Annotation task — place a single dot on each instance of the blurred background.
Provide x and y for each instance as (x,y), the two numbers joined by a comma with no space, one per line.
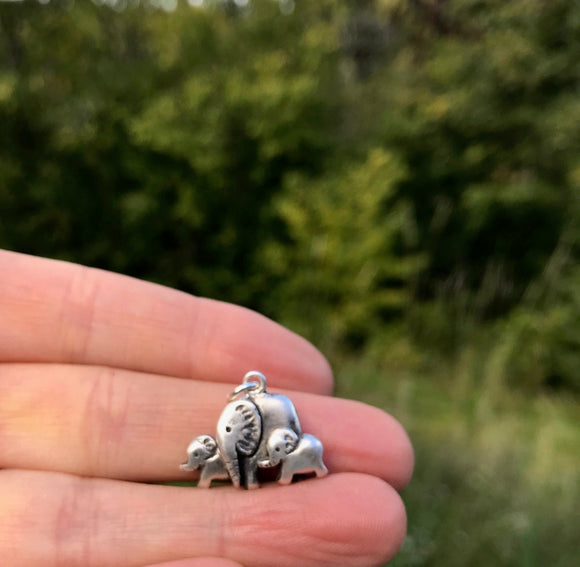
(397,180)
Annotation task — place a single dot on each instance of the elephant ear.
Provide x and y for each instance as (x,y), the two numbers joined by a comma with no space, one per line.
(209,443)
(290,441)
(251,429)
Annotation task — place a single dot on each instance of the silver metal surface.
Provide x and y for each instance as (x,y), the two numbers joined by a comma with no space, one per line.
(204,454)
(256,429)
(249,384)
(298,456)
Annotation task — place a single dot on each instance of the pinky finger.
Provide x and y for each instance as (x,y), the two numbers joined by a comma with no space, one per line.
(200,562)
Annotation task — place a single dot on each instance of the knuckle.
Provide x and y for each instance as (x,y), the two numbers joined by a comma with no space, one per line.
(78,313)
(12,516)
(105,420)
(49,519)
(76,525)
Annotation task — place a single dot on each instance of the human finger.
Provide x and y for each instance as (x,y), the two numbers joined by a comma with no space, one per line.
(200,562)
(57,520)
(98,421)
(53,311)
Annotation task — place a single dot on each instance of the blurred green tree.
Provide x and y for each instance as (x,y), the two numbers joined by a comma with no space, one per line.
(342,273)
(481,104)
(341,165)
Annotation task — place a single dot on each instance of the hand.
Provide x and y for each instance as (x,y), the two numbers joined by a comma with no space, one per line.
(104,380)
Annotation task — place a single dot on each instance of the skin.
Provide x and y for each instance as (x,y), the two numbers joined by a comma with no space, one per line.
(104,381)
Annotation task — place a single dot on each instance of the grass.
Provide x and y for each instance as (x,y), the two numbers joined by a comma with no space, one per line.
(496,481)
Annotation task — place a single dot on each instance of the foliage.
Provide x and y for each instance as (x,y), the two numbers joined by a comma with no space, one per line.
(161,158)
(340,267)
(496,475)
(482,107)
(353,169)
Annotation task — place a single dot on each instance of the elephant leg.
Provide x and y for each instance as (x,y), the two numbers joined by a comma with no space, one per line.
(321,470)
(286,474)
(251,466)
(204,481)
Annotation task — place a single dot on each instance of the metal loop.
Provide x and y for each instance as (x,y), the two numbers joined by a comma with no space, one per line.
(252,376)
(243,388)
(254,381)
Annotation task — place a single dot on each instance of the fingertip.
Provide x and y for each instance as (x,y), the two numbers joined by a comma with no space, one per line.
(398,471)
(359,438)
(382,520)
(246,340)
(343,519)
(396,525)
(407,459)
(302,366)
(389,453)
(321,371)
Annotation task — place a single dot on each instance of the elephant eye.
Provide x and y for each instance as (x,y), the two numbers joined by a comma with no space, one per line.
(196,454)
(228,428)
(278,449)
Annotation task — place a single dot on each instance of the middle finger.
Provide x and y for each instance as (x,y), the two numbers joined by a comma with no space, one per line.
(98,421)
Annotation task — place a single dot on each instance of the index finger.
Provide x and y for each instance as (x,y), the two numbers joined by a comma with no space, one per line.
(53,311)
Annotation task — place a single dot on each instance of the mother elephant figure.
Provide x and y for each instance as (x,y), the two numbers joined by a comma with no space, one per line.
(244,428)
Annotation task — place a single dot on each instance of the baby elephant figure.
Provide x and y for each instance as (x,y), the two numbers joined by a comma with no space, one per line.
(298,456)
(203,454)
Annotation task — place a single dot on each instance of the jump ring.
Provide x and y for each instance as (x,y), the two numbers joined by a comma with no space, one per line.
(245,387)
(254,376)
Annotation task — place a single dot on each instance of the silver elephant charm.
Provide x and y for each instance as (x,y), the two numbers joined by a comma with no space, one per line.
(204,454)
(298,456)
(255,430)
